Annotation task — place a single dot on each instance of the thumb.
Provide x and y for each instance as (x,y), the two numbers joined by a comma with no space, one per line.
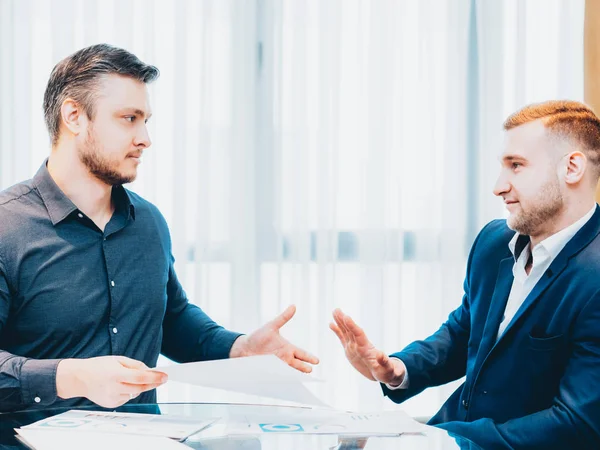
(284,317)
(131,363)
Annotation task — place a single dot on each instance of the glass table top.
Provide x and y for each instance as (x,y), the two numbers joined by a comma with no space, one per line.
(217,438)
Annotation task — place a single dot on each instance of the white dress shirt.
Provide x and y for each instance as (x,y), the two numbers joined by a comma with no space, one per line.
(543,255)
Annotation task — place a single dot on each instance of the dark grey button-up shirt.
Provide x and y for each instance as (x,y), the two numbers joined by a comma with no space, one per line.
(69,290)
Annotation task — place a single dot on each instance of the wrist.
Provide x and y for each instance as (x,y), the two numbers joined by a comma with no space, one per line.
(239,347)
(68,384)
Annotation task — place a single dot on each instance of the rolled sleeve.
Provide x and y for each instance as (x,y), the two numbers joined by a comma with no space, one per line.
(38,381)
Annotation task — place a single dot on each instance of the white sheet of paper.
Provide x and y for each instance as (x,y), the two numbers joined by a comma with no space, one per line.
(263,375)
(55,439)
(126,423)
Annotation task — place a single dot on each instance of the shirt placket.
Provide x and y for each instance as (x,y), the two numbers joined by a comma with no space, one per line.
(113,325)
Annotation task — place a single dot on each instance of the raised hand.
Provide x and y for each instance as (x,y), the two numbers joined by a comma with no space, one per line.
(360,352)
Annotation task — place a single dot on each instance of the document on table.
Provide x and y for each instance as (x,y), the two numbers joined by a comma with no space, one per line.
(263,375)
(167,426)
(316,421)
(61,439)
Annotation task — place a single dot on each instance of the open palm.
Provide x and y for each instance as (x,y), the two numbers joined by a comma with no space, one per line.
(360,352)
(267,340)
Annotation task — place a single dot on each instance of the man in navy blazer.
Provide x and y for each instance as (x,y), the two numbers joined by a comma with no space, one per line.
(527,334)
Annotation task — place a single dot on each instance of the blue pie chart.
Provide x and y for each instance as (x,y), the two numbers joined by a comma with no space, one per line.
(281,427)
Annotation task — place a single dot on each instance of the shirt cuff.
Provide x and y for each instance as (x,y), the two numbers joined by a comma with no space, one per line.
(404,384)
(38,381)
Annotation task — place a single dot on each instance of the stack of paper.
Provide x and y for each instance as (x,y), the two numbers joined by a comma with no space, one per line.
(123,423)
(57,439)
(92,429)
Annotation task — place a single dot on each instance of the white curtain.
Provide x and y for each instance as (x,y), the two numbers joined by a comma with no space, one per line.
(335,153)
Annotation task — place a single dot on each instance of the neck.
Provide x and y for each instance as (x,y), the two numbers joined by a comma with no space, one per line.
(88,193)
(568,217)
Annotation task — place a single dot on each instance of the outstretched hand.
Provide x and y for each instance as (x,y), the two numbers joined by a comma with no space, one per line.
(267,340)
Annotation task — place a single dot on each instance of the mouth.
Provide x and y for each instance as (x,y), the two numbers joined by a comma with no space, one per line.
(510,203)
(137,157)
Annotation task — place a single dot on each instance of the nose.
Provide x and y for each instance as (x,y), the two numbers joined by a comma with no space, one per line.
(142,139)
(502,185)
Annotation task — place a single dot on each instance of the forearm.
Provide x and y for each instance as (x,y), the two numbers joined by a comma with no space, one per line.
(191,335)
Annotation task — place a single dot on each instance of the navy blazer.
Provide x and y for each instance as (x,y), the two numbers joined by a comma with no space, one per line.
(538,386)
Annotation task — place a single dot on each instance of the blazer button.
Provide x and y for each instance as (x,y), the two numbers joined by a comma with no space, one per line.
(465,404)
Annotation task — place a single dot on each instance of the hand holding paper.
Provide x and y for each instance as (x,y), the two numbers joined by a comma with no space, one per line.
(267,340)
(108,381)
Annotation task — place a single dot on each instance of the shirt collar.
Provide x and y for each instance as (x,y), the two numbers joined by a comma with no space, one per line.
(552,244)
(60,207)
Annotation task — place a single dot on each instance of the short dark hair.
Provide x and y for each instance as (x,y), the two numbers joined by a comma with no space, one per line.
(78,75)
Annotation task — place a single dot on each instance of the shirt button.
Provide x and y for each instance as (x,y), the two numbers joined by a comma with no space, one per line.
(112,283)
(80,215)
(465,404)
(37,399)
(115,330)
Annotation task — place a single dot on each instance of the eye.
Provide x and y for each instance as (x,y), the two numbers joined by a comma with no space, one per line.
(130,119)
(515,165)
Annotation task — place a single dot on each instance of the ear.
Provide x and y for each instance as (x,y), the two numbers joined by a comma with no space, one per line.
(73,117)
(575,167)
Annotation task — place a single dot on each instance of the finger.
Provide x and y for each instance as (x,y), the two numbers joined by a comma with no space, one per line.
(347,332)
(338,333)
(284,317)
(357,332)
(384,361)
(131,363)
(299,365)
(386,372)
(137,389)
(339,321)
(303,355)
(134,376)
(129,395)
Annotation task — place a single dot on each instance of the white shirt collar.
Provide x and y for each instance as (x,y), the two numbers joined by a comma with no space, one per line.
(555,243)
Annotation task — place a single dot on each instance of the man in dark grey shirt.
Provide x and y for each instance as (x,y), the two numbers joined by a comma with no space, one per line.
(88,293)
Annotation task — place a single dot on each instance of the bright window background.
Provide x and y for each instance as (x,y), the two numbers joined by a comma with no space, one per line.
(327,154)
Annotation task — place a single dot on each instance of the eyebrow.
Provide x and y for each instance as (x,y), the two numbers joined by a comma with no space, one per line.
(138,112)
(510,158)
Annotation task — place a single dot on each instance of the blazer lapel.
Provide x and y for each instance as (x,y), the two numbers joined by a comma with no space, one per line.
(583,237)
(497,306)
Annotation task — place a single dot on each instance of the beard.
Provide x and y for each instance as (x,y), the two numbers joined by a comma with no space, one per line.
(103,168)
(545,206)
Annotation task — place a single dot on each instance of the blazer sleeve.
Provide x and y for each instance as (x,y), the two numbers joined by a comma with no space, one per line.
(573,420)
(442,357)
